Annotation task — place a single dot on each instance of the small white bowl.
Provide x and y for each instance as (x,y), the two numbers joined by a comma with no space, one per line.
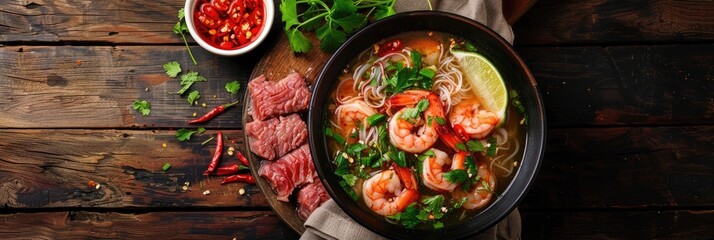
(189,9)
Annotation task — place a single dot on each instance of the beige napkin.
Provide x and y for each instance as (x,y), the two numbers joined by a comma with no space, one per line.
(330,222)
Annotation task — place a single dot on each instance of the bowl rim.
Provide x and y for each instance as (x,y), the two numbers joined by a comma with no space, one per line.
(189,8)
(536,124)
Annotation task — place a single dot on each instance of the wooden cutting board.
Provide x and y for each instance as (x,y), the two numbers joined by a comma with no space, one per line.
(279,61)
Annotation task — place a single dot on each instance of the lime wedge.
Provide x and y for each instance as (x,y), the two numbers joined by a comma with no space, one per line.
(485,81)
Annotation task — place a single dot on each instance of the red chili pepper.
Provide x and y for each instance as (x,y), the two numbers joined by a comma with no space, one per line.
(216,155)
(213,113)
(229,170)
(245,177)
(242,158)
(461,132)
(389,47)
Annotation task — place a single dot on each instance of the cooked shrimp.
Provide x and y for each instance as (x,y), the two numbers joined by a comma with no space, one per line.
(347,116)
(414,136)
(477,122)
(390,191)
(433,169)
(479,195)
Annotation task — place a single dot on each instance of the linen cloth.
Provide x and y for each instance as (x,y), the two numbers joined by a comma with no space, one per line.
(330,222)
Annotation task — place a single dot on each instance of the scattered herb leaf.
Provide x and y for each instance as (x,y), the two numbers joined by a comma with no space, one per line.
(172,68)
(142,106)
(181,28)
(456,176)
(184,134)
(233,87)
(188,79)
(192,97)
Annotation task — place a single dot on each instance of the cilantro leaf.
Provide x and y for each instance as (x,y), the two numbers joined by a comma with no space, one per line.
(180,28)
(298,42)
(416,58)
(409,217)
(330,37)
(349,190)
(413,113)
(181,14)
(172,68)
(461,146)
(188,79)
(233,87)
(492,147)
(343,165)
(350,22)
(200,130)
(383,12)
(288,8)
(192,97)
(142,106)
(184,134)
(399,157)
(456,176)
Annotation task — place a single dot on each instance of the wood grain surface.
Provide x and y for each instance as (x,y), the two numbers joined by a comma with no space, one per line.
(596,86)
(151,225)
(627,87)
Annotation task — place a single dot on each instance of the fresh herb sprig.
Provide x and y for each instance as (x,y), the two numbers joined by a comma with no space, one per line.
(181,28)
(330,22)
(143,106)
(401,78)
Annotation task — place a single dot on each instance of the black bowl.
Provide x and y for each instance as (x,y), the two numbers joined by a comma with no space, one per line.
(512,69)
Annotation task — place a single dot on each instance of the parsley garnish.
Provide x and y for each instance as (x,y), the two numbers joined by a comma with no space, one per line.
(142,106)
(332,23)
(492,147)
(233,87)
(349,179)
(181,28)
(192,97)
(399,157)
(172,68)
(185,134)
(413,113)
(188,79)
(475,146)
(456,176)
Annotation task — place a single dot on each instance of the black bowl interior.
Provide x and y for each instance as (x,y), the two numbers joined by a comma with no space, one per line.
(511,67)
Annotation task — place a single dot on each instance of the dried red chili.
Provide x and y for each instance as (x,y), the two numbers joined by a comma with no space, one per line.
(216,155)
(245,177)
(213,113)
(242,158)
(229,170)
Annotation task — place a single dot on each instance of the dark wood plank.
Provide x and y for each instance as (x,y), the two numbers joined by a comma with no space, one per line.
(154,225)
(614,22)
(583,168)
(680,224)
(625,168)
(514,9)
(44,87)
(669,84)
(94,87)
(132,21)
(52,168)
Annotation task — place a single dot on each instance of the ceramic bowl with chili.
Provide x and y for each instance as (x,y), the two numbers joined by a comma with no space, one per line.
(229,27)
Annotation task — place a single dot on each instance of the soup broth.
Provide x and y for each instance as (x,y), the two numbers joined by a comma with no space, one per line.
(410,138)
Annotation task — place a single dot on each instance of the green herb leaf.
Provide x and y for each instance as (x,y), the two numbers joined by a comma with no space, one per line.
(180,28)
(492,147)
(475,146)
(384,11)
(409,218)
(172,68)
(181,14)
(343,164)
(461,146)
(375,119)
(438,225)
(355,148)
(459,203)
(298,42)
(166,166)
(233,87)
(427,72)
(330,38)
(200,130)
(142,106)
(434,205)
(399,158)
(349,190)
(188,79)
(456,176)
(192,97)
(184,134)
(288,8)
(413,113)
(416,59)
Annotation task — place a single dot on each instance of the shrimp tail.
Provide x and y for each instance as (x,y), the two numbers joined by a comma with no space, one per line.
(448,136)
(405,176)
(408,197)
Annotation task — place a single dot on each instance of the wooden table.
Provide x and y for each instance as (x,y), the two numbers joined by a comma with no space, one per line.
(628,88)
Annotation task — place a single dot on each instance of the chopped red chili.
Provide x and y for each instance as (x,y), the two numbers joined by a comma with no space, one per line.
(216,155)
(461,132)
(389,47)
(213,113)
(229,24)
